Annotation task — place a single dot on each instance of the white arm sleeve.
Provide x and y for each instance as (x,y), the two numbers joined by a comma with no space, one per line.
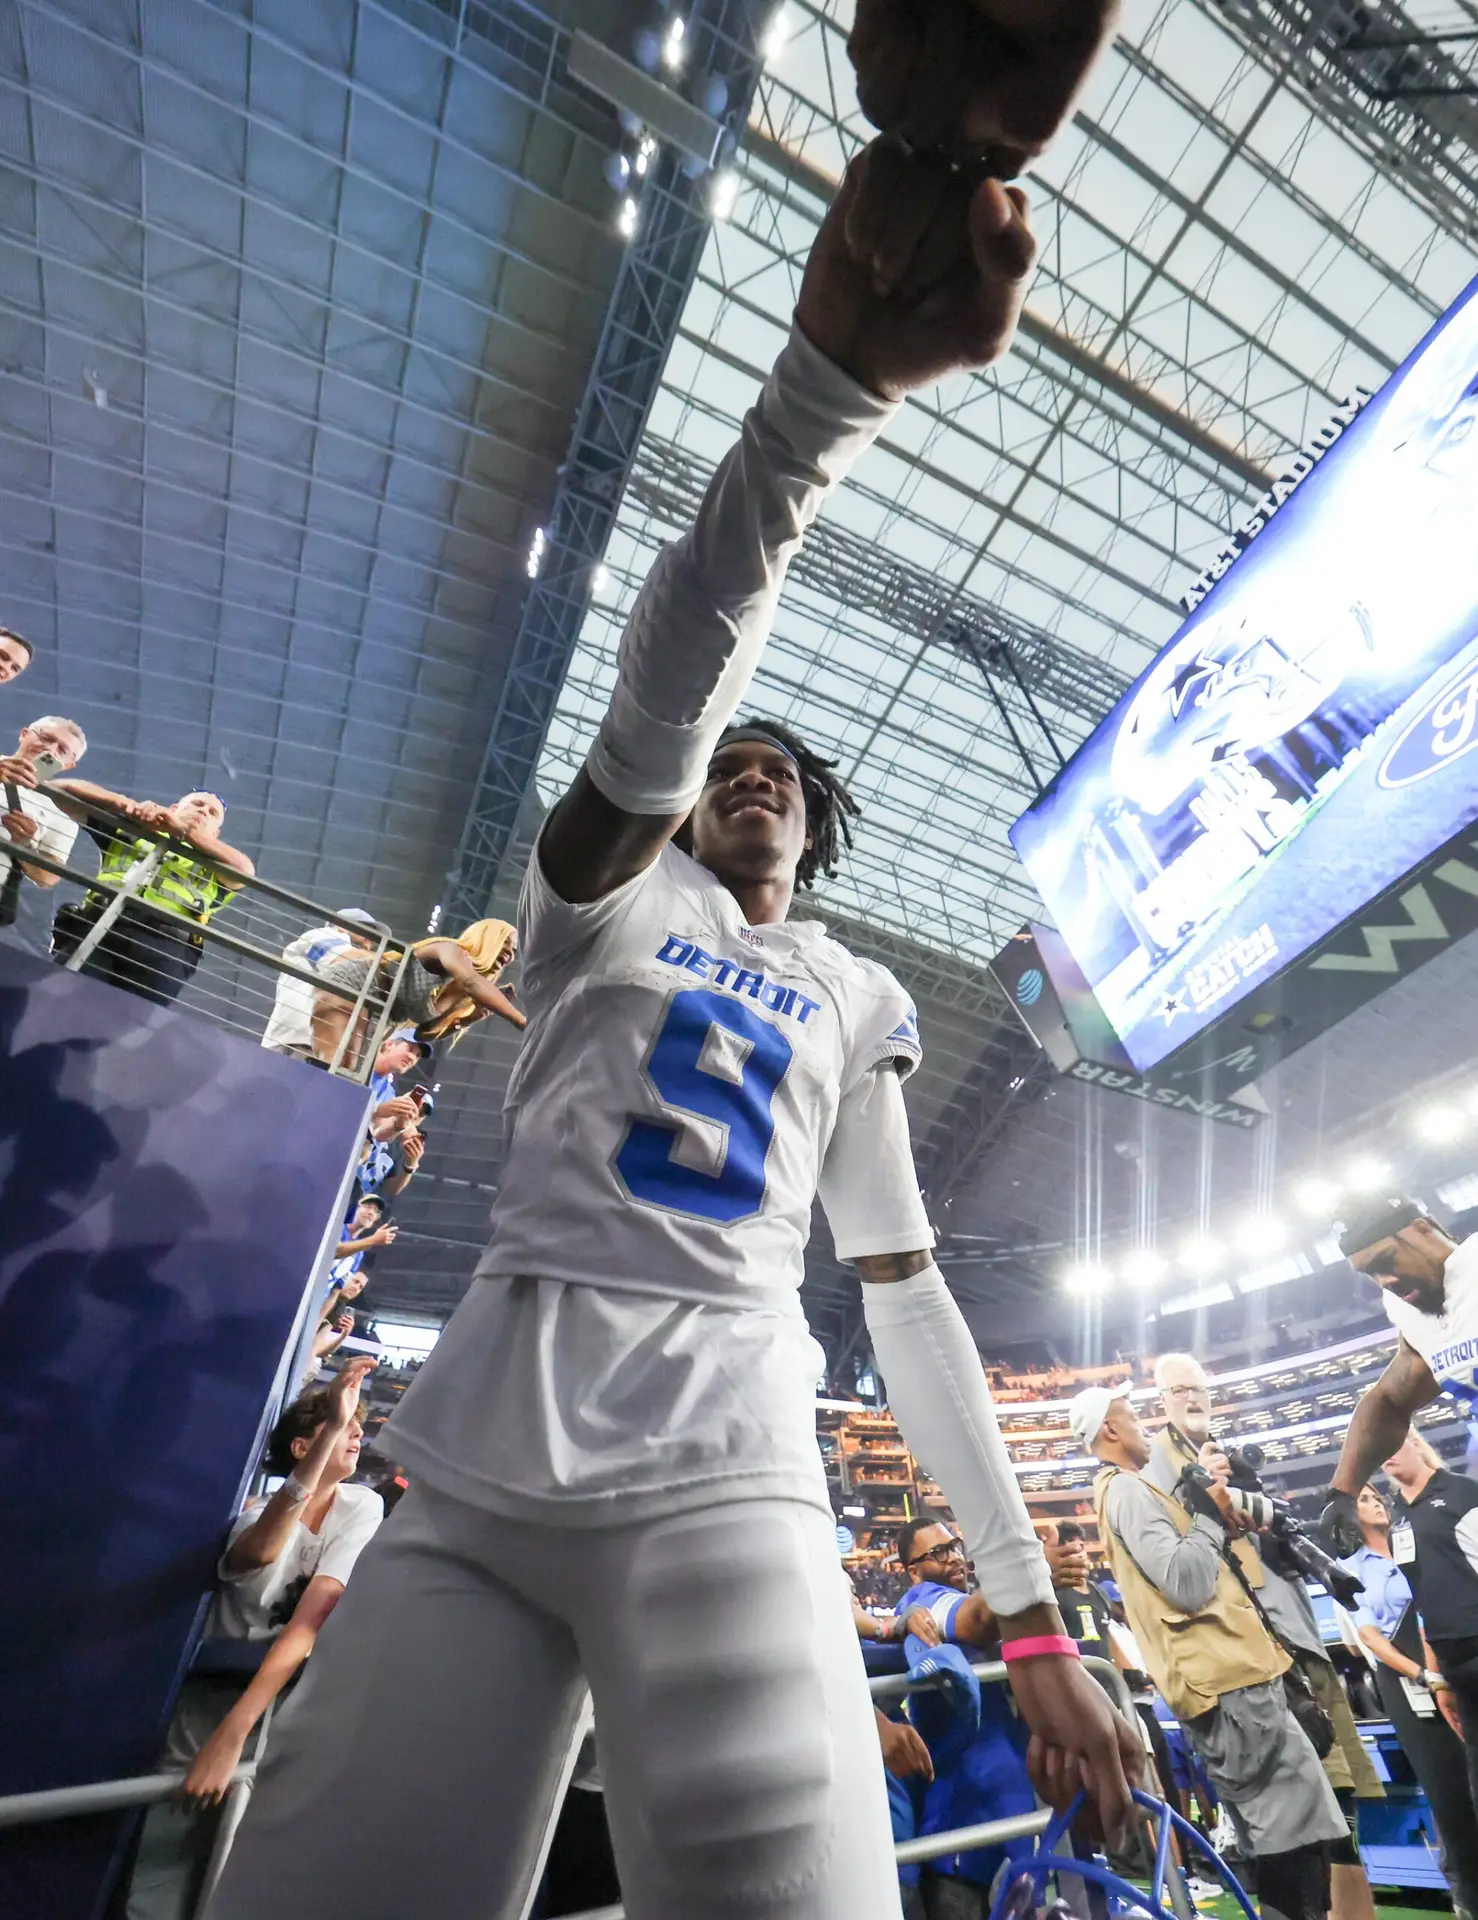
(868,1184)
(937,1391)
(703,615)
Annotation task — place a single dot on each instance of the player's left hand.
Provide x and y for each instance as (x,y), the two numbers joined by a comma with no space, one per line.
(918,271)
(989,80)
(1077,1740)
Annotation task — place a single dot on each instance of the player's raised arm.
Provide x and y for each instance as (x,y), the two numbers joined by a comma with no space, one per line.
(702,617)
(938,1394)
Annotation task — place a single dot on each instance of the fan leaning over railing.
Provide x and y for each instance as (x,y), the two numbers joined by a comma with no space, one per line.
(147,920)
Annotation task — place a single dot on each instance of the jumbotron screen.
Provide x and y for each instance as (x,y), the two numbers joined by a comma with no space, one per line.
(1305,739)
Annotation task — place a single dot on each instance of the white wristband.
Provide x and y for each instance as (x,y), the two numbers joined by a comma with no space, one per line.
(293,1487)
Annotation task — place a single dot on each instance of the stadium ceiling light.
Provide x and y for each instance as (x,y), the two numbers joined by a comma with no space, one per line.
(1263,1234)
(1144,1268)
(1439,1123)
(536,552)
(1087,1277)
(1201,1255)
(626,219)
(722,193)
(1317,1197)
(1367,1172)
(600,580)
(672,46)
(776,33)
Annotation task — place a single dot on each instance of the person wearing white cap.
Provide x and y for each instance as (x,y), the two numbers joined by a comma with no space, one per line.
(1207,1649)
(290,1028)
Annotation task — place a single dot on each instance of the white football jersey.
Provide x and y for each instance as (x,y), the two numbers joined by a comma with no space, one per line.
(678,1086)
(1447,1341)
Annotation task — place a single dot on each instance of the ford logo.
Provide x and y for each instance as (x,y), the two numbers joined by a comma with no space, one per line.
(1444,730)
(1029,987)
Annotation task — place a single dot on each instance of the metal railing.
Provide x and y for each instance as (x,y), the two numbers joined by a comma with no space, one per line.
(108,1796)
(240,965)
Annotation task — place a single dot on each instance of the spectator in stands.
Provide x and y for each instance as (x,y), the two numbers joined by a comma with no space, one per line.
(290,1029)
(1209,1653)
(47,747)
(1186,1440)
(977,1745)
(394,1148)
(283,1570)
(446,986)
(1085,1612)
(1422,1711)
(15,655)
(154,946)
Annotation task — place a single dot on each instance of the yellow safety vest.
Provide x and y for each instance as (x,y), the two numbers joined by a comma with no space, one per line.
(187,888)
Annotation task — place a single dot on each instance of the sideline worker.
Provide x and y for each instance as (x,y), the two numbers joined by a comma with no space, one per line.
(1212,1658)
(1416,1698)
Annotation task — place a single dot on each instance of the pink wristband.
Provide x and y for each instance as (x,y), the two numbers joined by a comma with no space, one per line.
(1040,1643)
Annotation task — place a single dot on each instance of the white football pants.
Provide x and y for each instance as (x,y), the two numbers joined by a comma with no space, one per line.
(418,1767)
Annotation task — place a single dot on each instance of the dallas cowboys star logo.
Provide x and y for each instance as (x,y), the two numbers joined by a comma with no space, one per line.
(1172,1004)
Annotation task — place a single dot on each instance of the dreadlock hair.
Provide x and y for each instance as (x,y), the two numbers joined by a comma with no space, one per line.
(830,808)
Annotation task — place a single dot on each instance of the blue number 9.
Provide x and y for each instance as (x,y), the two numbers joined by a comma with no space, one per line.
(743,1108)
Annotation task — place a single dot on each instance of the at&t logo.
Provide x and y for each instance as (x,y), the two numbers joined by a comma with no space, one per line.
(1030,986)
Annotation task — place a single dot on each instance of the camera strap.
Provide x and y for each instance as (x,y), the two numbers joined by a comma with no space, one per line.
(1303,1703)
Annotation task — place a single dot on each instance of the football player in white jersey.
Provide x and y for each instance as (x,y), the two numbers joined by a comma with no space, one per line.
(1429,1283)
(615,1480)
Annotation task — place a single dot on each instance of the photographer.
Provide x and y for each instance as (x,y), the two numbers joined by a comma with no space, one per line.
(1185,1587)
(1187,1441)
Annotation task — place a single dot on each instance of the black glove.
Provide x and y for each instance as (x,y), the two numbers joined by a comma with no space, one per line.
(1339,1524)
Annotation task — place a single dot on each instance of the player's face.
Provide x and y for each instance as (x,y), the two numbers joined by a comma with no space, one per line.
(1412,1264)
(750,819)
(938,1555)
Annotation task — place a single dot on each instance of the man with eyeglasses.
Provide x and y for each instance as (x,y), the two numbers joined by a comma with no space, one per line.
(1429,1284)
(979,1765)
(47,747)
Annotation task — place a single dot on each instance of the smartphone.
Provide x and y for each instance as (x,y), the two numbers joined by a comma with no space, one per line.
(46,766)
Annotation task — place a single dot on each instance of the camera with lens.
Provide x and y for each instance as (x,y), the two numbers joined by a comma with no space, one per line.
(1287,1546)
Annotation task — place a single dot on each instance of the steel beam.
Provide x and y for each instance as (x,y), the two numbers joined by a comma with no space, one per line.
(651,290)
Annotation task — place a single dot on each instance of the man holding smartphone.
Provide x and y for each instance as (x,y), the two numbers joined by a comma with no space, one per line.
(47,748)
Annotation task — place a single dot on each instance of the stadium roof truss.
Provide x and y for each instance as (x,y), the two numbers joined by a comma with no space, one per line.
(1219,268)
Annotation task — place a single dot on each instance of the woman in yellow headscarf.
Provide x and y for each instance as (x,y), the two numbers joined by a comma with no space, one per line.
(445,987)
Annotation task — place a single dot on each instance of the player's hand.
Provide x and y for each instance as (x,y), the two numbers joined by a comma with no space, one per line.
(922,1625)
(1339,1524)
(918,271)
(1077,1740)
(904,1752)
(988,79)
